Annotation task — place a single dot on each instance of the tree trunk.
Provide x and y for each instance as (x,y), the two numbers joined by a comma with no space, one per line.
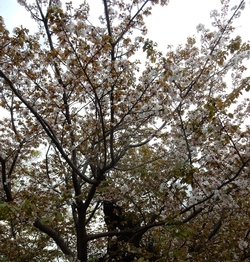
(81,234)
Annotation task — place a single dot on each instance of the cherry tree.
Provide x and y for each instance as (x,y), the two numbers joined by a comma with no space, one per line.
(108,158)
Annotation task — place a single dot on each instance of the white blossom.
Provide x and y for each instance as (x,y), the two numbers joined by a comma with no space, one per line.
(124,189)
(214,13)
(70,27)
(234,8)
(200,27)
(243,244)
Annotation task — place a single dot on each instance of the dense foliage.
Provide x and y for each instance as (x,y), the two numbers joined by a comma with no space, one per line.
(106,158)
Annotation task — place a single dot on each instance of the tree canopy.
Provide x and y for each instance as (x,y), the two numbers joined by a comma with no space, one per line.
(111,150)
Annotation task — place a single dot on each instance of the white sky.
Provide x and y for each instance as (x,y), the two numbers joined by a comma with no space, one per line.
(168,25)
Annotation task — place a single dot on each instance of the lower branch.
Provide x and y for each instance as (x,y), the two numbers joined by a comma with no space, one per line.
(6,183)
(54,235)
(124,232)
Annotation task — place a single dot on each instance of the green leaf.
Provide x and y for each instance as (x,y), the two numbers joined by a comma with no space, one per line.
(58,216)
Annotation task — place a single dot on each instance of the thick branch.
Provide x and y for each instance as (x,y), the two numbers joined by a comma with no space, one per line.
(54,235)
(215,229)
(6,184)
(124,232)
(93,212)
(191,216)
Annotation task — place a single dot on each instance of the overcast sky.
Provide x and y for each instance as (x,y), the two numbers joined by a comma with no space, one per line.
(168,25)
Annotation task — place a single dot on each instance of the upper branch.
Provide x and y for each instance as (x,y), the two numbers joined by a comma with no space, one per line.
(47,128)
(129,23)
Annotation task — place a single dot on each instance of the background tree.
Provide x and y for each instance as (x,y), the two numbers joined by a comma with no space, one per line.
(105,159)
